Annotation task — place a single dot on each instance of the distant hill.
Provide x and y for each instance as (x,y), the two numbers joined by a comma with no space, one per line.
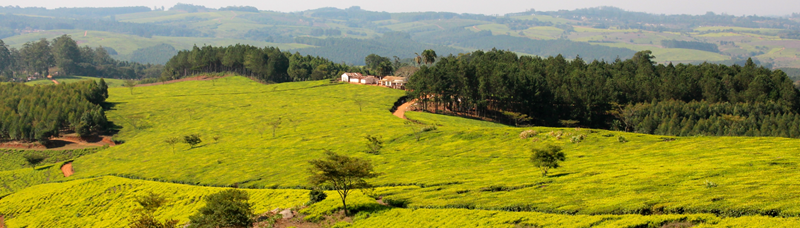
(592,33)
(353,51)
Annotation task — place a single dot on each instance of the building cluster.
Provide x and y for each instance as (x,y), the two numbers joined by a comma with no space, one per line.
(385,81)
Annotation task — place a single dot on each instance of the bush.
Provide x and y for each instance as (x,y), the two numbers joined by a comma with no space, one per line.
(528,134)
(227,208)
(374,144)
(316,195)
(577,138)
(622,139)
(192,139)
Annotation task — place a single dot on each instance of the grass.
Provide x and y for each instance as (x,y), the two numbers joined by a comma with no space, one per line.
(677,55)
(11,159)
(70,79)
(108,202)
(12,181)
(462,164)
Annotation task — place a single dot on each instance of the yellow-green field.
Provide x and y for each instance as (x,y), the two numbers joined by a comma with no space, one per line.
(461,165)
(70,79)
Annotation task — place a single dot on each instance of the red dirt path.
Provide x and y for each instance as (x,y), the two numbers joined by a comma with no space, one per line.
(67,170)
(54,81)
(401,111)
(2,222)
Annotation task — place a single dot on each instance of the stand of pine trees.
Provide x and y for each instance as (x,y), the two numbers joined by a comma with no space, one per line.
(35,113)
(634,95)
(266,64)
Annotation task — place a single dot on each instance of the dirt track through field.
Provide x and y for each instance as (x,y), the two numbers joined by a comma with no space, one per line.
(54,81)
(401,111)
(2,222)
(67,170)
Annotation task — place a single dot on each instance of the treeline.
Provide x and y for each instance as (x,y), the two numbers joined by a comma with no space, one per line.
(11,25)
(38,58)
(680,118)
(353,51)
(35,113)
(702,46)
(265,64)
(485,40)
(556,92)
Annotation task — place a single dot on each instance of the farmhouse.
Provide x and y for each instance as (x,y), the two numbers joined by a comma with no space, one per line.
(359,78)
(394,82)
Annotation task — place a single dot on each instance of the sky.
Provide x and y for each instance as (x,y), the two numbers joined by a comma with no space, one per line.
(733,7)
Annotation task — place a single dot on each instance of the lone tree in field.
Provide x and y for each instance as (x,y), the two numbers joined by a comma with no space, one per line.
(343,173)
(172,141)
(34,159)
(359,101)
(229,208)
(374,144)
(130,84)
(192,139)
(275,125)
(547,158)
(144,217)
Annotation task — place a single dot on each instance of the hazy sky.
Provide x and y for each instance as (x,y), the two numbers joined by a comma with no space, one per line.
(734,7)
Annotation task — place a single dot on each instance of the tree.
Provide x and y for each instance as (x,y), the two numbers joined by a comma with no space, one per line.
(144,217)
(66,54)
(343,173)
(374,144)
(275,125)
(130,84)
(429,56)
(517,117)
(359,100)
(171,141)
(192,139)
(34,159)
(547,158)
(228,208)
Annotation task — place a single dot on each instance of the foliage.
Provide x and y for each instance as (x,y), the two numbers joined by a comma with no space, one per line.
(547,158)
(690,45)
(34,159)
(316,195)
(171,141)
(144,217)
(37,113)
(374,144)
(550,90)
(108,202)
(192,139)
(228,208)
(342,173)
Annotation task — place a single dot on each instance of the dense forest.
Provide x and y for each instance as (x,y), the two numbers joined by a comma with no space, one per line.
(11,25)
(63,53)
(702,46)
(264,64)
(353,51)
(634,94)
(485,40)
(35,113)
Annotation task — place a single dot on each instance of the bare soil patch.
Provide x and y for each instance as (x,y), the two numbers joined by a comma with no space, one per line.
(298,221)
(67,170)
(2,222)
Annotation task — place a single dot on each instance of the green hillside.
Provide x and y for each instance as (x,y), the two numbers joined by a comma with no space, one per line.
(457,167)
(70,79)
(473,166)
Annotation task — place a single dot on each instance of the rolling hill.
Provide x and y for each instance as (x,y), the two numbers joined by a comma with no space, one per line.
(737,38)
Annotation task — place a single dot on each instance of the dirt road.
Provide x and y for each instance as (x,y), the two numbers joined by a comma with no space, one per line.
(401,111)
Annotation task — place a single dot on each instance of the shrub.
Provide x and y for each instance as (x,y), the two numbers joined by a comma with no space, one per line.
(34,159)
(528,133)
(192,139)
(577,138)
(374,144)
(316,195)
(227,208)
(622,139)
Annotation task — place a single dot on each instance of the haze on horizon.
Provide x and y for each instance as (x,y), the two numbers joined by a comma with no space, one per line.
(500,7)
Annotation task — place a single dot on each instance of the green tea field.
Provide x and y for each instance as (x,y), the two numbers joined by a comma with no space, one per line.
(447,171)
